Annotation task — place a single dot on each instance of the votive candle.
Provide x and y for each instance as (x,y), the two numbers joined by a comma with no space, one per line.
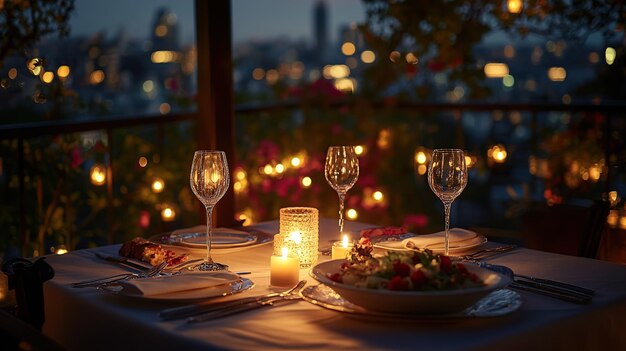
(341,249)
(285,270)
(299,230)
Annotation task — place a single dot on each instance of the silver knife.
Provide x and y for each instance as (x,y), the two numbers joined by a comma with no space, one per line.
(242,308)
(208,307)
(578,289)
(550,291)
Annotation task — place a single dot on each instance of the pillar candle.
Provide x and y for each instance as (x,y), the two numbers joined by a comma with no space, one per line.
(285,270)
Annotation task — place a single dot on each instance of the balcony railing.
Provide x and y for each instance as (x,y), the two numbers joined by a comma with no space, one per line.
(23,132)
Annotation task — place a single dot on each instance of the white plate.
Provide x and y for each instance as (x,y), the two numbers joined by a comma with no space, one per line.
(185,295)
(396,245)
(498,303)
(411,302)
(218,239)
(224,239)
(221,238)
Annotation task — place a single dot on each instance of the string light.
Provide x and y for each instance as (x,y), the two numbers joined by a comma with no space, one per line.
(612,218)
(35,66)
(143,162)
(515,6)
(157,185)
(496,70)
(268,169)
(613,198)
(348,49)
(352,214)
(295,161)
(168,213)
(97,174)
(497,153)
(63,71)
(359,150)
(240,174)
(420,157)
(378,196)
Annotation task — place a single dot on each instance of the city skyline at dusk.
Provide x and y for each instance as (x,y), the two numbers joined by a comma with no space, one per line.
(251,19)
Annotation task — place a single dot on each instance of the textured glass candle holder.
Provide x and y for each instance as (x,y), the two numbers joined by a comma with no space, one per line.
(299,233)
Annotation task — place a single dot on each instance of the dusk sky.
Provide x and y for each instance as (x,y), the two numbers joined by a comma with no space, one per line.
(251,18)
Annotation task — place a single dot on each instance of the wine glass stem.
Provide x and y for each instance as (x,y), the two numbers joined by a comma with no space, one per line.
(446,243)
(209,232)
(342,198)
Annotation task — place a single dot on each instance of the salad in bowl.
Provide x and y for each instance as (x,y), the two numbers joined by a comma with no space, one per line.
(413,282)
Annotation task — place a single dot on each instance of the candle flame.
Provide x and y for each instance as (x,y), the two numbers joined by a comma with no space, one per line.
(296,237)
(344,240)
(284,252)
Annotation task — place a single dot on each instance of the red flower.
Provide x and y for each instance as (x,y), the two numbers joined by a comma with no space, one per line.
(401,269)
(77,159)
(398,283)
(419,220)
(436,66)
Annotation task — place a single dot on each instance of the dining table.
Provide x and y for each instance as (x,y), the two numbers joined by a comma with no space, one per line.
(93,319)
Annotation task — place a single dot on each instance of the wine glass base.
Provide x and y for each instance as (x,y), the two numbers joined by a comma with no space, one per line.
(210,266)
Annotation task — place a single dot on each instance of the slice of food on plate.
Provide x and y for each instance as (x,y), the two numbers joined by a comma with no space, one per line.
(152,253)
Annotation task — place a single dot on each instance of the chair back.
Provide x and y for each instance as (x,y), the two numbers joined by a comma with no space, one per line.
(26,278)
(570,229)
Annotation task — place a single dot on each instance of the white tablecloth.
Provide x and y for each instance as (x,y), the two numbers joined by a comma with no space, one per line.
(87,319)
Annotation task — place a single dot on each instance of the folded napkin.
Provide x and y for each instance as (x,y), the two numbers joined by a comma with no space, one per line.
(175,283)
(458,238)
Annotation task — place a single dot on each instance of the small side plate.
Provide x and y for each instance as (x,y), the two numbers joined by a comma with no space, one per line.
(498,303)
(186,295)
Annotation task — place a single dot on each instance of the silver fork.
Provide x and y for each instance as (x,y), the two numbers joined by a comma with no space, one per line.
(206,307)
(124,276)
(292,296)
(481,253)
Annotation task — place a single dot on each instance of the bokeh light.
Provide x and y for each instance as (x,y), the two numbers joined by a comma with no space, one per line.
(97,174)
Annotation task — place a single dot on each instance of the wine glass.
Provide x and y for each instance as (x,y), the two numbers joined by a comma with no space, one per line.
(447,177)
(342,171)
(209,180)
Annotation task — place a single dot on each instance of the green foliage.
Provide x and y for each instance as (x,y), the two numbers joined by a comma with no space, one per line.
(24,22)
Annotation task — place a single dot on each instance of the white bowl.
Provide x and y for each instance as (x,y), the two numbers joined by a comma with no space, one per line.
(411,302)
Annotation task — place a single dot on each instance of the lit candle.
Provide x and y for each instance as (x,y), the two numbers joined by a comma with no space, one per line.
(341,248)
(285,270)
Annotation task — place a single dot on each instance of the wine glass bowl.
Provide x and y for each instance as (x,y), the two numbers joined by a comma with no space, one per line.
(341,171)
(209,179)
(447,177)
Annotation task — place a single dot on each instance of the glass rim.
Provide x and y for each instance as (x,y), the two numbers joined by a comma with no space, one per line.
(299,209)
(449,150)
(341,146)
(209,152)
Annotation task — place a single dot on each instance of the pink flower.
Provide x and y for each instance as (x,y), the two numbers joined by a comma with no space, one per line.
(419,220)
(267,151)
(76,158)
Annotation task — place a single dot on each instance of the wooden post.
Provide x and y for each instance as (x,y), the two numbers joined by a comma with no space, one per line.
(214,126)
